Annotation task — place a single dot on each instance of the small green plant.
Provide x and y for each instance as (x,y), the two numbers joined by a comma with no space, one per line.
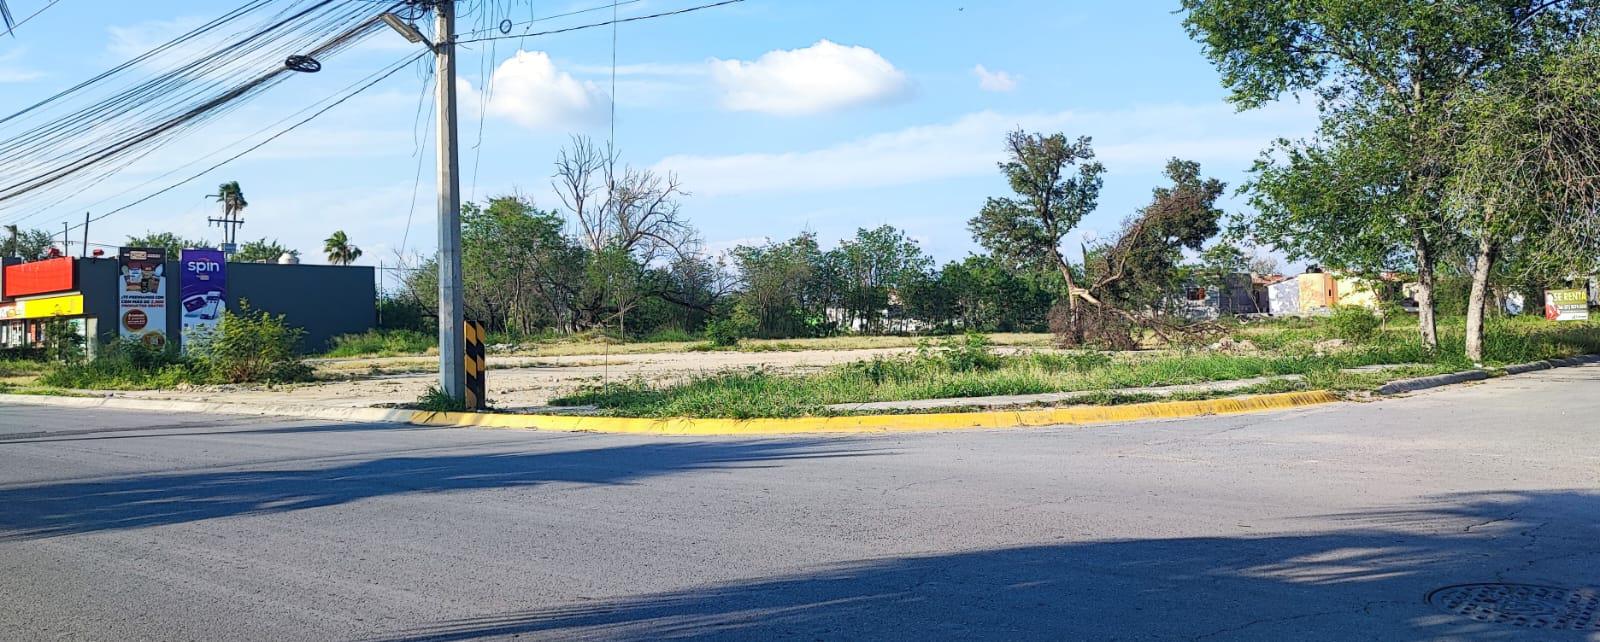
(1354,323)
(129,364)
(971,352)
(1053,362)
(436,400)
(253,346)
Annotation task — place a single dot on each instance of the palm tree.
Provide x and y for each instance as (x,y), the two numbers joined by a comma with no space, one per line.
(339,249)
(232,198)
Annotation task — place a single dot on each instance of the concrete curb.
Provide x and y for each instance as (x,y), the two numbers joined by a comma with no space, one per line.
(302,411)
(1076,415)
(884,423)
(1435,381)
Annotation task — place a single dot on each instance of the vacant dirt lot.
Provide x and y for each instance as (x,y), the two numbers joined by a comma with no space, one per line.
(515,382)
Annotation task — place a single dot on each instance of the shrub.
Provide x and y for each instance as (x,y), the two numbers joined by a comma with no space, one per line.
(727,332)
(128,363)
(1354,323)
(253,346)
(971,352)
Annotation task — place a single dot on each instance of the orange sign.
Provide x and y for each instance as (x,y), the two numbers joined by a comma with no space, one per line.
(39,277)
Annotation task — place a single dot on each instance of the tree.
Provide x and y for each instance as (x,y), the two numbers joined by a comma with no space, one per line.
(30,245)
(621,211)
(261,251)
(339,249)
(1529,174)
(1386,74)
(1138,270)
(876,265)
(172,243)
(231,196)
(1056,183)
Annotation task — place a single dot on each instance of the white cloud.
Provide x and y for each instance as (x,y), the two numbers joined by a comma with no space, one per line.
(11,69)
(1132,140)
(823,77)
(530,91)
(995,80)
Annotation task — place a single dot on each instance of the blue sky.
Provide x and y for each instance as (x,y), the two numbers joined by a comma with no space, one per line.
(778,115)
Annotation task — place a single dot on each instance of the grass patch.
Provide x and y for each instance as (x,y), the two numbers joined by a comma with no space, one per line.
(383,343)
(22,367)
(958,369)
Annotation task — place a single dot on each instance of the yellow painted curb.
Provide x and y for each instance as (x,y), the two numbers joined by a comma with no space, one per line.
(880,423)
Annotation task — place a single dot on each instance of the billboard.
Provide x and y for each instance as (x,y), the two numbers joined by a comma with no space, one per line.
(60,305)
(142,295)
(202,292)
(1566,305)
(38,277)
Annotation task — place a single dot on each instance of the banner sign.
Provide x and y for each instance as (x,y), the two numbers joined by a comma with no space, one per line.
(203,291)
(142,295)
(1566,305)
(60,305)
(38,277)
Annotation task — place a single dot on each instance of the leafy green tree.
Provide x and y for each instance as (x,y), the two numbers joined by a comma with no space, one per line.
(261,251)
(1386,73)
(30,245)
(172,243)
(1057,182)
(875,266)
(340,250)
(781,288)
(1528,178)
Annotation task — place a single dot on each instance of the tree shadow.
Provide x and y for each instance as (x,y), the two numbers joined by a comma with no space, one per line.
(1365,582)
(62,508)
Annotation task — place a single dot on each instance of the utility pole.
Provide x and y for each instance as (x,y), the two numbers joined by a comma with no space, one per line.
(66,240)
(452,342)
(85,251)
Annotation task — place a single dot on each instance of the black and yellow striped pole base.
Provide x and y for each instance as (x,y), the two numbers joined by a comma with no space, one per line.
(477,387)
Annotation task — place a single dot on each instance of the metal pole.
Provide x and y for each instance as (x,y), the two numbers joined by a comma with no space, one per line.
(85,251)
(452,343)
(66,240)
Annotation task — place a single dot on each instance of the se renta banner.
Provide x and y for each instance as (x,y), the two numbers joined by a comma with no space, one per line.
(202,292)
(1566,305)
(142,295)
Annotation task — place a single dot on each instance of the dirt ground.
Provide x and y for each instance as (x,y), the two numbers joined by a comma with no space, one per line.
(515,383)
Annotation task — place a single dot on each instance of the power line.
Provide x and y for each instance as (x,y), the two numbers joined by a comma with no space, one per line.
(548,18)
(607,23)
(12,30)
(380,78)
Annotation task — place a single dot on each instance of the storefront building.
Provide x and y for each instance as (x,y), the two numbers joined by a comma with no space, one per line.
(157,298)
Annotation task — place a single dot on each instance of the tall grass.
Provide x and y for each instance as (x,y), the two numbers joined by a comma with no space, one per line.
(761,393)
(383,343)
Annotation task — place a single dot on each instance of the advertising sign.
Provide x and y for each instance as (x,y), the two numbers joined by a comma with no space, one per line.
(202,291)
(38,277)
(1566,305)
(61,305)
(142,295)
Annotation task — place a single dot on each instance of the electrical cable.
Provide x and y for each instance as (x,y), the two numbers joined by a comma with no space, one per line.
(663,14)
(11,28)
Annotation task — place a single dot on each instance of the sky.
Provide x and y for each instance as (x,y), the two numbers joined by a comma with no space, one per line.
(778,116)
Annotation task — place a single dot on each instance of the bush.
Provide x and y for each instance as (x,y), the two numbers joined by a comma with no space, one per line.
(1354,323)
(129,364)
(253,346)
(971,352)
(726,332)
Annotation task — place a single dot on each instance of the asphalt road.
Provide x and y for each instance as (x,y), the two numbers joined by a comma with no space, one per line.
(1330,523)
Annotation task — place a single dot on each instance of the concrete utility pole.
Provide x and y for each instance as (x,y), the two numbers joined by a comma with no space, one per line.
(452,343)
(85,249)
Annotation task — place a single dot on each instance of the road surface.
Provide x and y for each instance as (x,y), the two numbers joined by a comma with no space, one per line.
(1329,523)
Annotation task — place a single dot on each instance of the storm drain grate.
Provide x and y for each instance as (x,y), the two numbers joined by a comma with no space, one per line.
(1529,605)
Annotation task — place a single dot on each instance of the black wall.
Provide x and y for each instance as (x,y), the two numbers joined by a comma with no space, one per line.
(324,300)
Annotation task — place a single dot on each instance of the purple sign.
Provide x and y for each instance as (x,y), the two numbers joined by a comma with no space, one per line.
(203,292)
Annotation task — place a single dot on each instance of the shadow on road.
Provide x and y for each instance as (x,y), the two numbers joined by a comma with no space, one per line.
(1368,582)
(63,508)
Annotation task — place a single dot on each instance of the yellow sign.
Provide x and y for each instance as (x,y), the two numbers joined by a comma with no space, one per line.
(62,305)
